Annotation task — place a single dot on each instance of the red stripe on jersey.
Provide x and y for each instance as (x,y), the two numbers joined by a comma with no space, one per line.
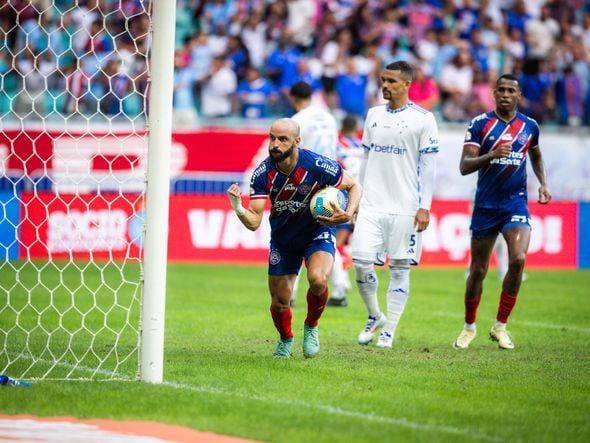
(271,177)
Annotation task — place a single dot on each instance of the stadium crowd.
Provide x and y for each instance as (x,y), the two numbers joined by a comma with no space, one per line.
(242,56)
(239,58)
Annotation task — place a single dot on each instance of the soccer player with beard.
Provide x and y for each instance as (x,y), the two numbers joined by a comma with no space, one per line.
(400,140)
(289,177)
(496,145)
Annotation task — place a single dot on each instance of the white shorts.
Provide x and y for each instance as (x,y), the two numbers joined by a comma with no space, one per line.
(376,235)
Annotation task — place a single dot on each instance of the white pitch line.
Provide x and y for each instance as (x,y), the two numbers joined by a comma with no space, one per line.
(398,421)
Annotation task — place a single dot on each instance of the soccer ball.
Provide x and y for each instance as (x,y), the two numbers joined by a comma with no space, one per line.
(326,200)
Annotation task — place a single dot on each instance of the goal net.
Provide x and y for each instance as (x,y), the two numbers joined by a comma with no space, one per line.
(73,143)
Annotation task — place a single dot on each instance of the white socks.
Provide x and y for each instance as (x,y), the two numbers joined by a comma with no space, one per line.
(367,283)
(397,295)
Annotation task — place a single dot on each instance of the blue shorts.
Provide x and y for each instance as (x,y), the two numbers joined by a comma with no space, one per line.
(285,261)
(348,227)
(487,222)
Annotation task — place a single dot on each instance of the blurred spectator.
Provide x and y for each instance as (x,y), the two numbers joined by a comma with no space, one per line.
(217,89)
(541,33)
(332,58)
(218,40)
(569,96)
(369,62)
(351,89)
(275,18)
(537,96)
(515,49)
(455,84)
(426,50)
(33,69)
(184,113)
(468,19)
(494,39)
(447,50)
(480,53)
(482,97)
(424,90)
(255,94)
(114,87)
(200,59)
(419,18)
(237,56)
(304,72)
(281,65)
(100,41)
(215,13)
(517,17)
(301,22)
(390,30)
(78,98)
(254,38)
(585,30)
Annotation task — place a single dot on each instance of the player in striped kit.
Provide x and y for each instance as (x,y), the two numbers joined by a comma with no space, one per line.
(351,156)
(401,141)
(497,145)
(289,177)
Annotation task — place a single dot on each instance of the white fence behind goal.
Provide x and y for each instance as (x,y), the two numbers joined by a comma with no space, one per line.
(73,148)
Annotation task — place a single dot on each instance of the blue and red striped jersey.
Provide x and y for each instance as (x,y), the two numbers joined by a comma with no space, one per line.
(290,219)
(502,180)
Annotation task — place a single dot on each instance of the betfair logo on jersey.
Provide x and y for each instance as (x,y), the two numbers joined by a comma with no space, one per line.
(389,149)
(514,159)
(330,167)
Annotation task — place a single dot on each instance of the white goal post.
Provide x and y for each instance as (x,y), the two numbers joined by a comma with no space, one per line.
(84,187)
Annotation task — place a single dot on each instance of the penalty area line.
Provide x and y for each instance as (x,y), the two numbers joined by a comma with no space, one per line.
(398,421)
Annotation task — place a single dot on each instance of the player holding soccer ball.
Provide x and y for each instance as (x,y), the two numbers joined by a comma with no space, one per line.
(289,177)
(496,145)
(401,141)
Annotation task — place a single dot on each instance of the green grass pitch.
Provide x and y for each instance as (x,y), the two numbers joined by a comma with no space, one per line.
(219,375)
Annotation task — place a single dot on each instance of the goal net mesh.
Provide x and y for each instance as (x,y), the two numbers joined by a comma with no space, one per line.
(73,144)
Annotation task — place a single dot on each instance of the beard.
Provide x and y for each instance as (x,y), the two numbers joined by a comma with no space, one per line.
(279,156)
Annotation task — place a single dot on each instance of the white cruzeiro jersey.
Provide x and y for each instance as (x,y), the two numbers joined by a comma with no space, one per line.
(319,131)
(394,141)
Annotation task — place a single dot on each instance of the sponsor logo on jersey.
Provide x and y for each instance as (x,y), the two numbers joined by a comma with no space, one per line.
(329,167)
(467,136)
(514,159)
(259,171)
(287,205)
(290,187)
(389,149)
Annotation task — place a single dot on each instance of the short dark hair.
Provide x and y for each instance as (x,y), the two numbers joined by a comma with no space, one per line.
(510,77)
(404,67)
(349,123)
(301,89)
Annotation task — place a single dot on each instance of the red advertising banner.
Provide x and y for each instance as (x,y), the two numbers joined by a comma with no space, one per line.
(32,152)
(205,229)
(81,226)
